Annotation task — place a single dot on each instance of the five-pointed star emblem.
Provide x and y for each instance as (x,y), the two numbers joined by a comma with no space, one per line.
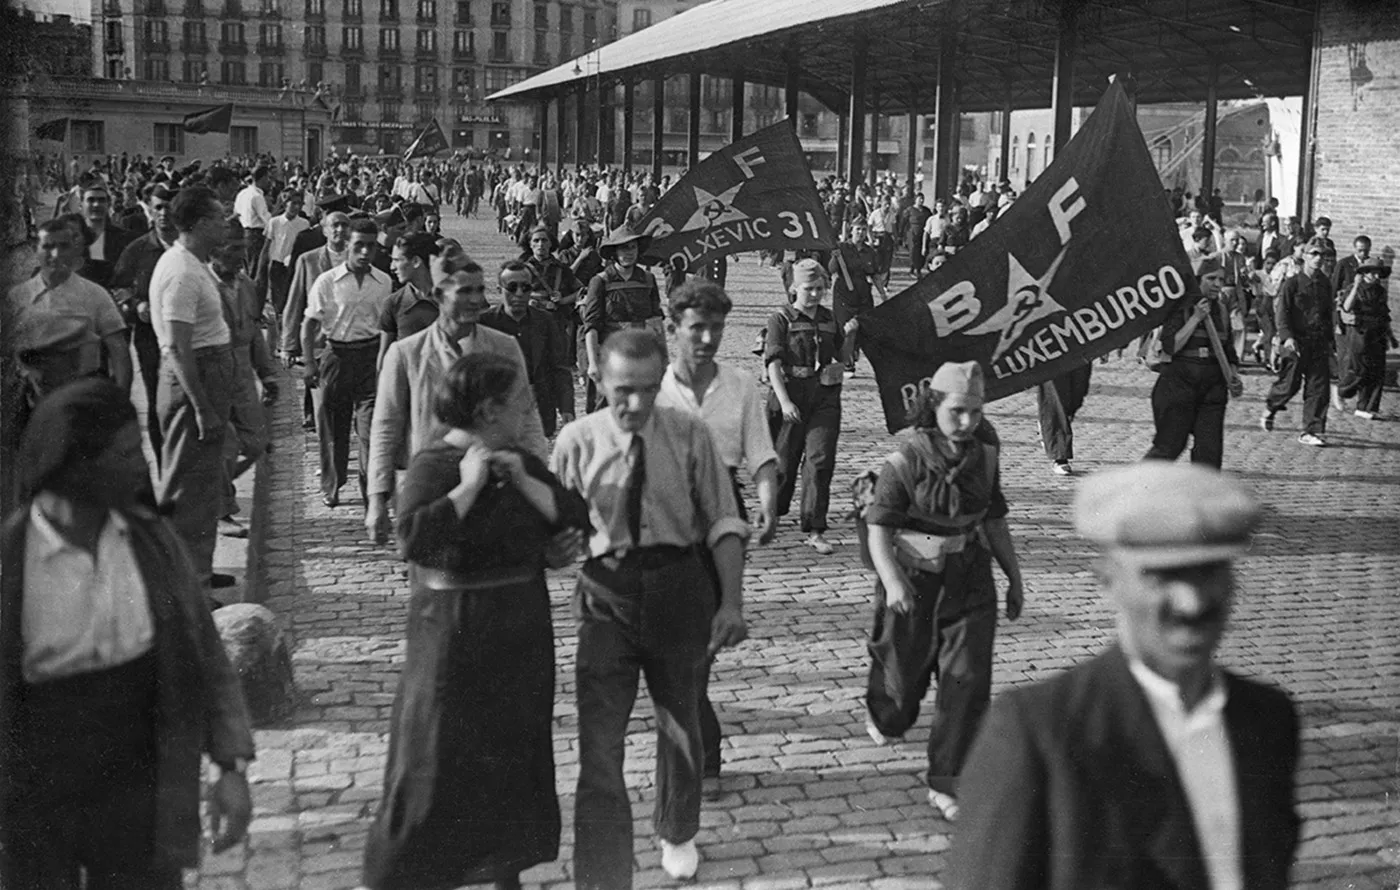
(711,209)
(1027,299)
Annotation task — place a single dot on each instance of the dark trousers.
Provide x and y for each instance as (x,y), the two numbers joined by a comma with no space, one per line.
(1189,401)
(947,635)
(1059,401)
(711,735)
(87,790)
(143,337)
(637,618)
(1309,369)
(349,381)
(810,444)
(252,246)
(1363,370)
(191,468)
(844,312)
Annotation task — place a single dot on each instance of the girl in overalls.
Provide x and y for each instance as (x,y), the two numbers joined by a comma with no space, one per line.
(623,295)
(805,353)
(936,522)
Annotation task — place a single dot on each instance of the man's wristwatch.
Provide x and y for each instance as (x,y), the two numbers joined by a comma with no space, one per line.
(237,765)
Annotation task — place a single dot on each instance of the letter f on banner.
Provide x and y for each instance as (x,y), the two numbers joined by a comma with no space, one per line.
(1061,212)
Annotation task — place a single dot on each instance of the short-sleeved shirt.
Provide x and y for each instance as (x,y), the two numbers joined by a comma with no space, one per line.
(688,497)
(617,300)
(804,341)
(183,288)
(915,493)
(408,311)
(348,310)
(30,301)
(733,410)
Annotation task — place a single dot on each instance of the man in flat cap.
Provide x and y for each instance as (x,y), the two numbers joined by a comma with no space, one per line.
(1148,766)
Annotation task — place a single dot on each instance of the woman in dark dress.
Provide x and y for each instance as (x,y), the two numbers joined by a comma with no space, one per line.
(1366,339)
(469,787)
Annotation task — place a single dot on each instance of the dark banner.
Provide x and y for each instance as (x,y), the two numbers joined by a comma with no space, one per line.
(1085,261)
(753,194)
(210,120)
(429,142)
(54,131)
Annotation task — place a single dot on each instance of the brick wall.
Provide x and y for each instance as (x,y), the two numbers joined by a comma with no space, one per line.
(1358,123)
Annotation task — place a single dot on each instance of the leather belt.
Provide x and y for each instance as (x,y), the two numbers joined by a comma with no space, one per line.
(642,558)
(1201,352)
(799,373)
(486,579)
(353,344)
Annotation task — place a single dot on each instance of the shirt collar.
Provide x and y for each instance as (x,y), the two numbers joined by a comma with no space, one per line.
(625,436)
(343,270)
(1165,694)
(49,539)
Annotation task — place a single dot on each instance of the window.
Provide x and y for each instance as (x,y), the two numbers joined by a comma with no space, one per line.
(541,45)
(87,136)
(1046,154)
(112,32)
(315,73)
(809,124)
(590,27)
(270,8)
(231,33)
(169,139)
(464,12)
(995,128)
(114,69)
(315,36)
(233,72)
(196,70)
(427,10)
(194,32)
(500,78)
(641,18)
(1162,150)
(425,79)
(157,31)
(566,46)
(1015,153)
(389,111)
(677,120)
(353,38)
(463,81)
(315,7)
(1030,156)
(352,80)
(354,8)
(389,39)
(243,141)
(464,43)
(389,9)
(500,13)
(270,36)
(390,77)
(156,69)
(426,111)
(271,74)
(427,39)
(352,111)
(967,128)
(500,46)
(541,17)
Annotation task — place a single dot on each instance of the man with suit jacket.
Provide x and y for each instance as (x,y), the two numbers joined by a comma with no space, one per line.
(307,268)
(1149,766)
(109,239)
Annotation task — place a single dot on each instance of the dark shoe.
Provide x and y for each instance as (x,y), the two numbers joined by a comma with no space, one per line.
(219,580)
(331,500)
(230,527)
(309,424)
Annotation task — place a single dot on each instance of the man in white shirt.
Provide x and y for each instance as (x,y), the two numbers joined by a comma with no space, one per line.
(342,309)
(282,231)
(1149,765)
(251,208)
(196,373)
(729,402)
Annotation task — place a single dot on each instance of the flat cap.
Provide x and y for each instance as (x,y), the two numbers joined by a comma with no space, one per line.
(1158,514)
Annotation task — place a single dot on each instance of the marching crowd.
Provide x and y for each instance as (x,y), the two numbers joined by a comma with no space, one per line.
(459,384)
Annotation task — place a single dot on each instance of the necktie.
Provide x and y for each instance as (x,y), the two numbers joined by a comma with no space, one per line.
(636,456)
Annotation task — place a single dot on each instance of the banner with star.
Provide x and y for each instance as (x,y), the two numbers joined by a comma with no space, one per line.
(1084,262)
(757,193)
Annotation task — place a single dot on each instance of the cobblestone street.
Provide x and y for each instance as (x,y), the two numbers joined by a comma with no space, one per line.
(807,799)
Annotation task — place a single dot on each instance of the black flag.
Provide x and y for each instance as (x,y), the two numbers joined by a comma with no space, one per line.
(1081,264)
(55,131)
(752,194)
(429,142)
(210,120)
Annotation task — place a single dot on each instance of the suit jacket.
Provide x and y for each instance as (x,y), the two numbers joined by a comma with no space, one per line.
(403,405)
(99,271)
(1070,786)
(308,267)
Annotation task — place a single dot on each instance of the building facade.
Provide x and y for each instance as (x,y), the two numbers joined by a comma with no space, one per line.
(387,66)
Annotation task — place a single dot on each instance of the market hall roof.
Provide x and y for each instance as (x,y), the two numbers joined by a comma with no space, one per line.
(1005,49)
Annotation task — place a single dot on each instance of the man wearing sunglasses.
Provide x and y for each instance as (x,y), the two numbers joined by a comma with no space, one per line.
(542,341)
(1303,312)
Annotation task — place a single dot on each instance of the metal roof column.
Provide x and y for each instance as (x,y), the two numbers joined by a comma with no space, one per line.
(658,125)
(693,138)
(790,83)
(629,124)
(580,112)
(945,164)
(559,139)
(604,156)
(736,102)
(874,134)
(1208,137)
(1062,91)
(843,140)
(1005,172)
(911,156)
(855,120)
(543,155)
(1307,130)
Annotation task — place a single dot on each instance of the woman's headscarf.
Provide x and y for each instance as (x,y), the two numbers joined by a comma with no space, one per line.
(75,422)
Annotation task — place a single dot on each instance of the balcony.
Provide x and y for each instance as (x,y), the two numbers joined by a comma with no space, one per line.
(426,94)
(465,21)
(543,60)
(269,12)
(355,51)
(193,9)
(154,8)
(355,92)
(112,8)
(315,50)
(463,54)
(390,52)
(155,45)
(232,10)
(353,16)
(427,18)
(230,48)
(194,47)
(389,16)
(114,48)
(504,56)
(271,49)
(500,21)
(426,54)
(389,93)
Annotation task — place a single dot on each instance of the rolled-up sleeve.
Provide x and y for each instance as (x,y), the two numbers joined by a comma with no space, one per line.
(758,441)
(890,505)
(594,305)
(713,490)
(390,422)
